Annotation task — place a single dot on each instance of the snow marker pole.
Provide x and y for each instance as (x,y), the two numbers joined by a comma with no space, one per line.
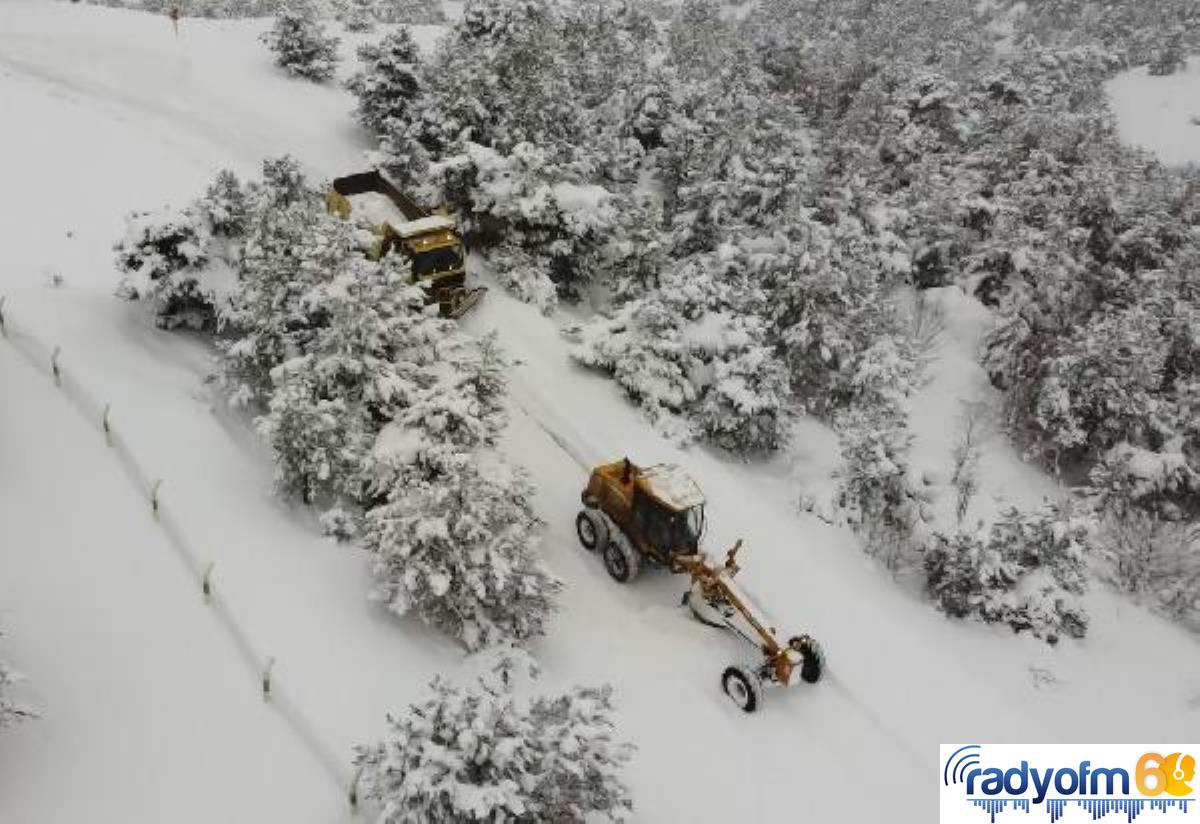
(354,789)
(206,584)
(107,424)
(154,497)
(54,365)
(266,679)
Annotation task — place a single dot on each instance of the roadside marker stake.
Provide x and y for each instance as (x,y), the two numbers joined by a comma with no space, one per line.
(354,789)
(206,585)
(154,497)
(266,679)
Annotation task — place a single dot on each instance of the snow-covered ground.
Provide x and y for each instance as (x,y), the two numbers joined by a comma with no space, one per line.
(151,713)
(1161,114)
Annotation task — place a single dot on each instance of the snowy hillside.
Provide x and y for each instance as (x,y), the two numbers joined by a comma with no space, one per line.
(150,700)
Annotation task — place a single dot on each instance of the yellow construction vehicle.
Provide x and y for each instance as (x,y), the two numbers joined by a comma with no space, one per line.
(397,223)
(655,514)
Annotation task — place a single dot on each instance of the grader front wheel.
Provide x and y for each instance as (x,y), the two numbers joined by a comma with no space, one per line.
(591,529)
(621,561)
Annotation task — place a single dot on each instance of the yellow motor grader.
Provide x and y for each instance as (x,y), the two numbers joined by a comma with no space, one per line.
(397,223)
(635,515)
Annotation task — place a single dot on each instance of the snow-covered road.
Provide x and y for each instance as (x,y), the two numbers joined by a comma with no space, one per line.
(150,715)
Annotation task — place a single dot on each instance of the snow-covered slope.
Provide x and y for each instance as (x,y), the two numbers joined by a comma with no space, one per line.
(149,712)
(1161,114)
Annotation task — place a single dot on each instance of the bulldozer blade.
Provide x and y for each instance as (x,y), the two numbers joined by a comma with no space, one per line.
(469,299)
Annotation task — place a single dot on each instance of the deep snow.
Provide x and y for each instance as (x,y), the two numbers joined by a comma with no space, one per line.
(149,712)
(1161,114)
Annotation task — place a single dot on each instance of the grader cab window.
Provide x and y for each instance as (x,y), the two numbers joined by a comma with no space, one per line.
(665,529)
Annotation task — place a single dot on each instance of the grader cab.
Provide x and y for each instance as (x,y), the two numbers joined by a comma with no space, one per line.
(398,224)
(655,515)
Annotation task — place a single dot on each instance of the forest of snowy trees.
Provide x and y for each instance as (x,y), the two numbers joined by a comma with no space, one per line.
(747,203)
(748,210)
(356,15)
(383,416)
(379,413)
(748,199)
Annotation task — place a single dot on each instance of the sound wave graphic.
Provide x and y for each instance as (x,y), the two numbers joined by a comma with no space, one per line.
(1098,807)
(953,771)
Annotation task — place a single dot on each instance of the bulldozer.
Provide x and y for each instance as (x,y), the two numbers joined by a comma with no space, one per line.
(397,223)
(654,516)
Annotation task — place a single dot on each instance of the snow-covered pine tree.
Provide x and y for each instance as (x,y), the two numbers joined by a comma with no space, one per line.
(387,82)
(411,12)
(747,391)
(502,80)
(283,184)
(300,44)
(1048,551)
(318,442)
(878,491)
(525,201)
(292,247)
(357,15)
(478,753)
(1146,503)
(225,204)
(163,255)
(459,549)
(967,576)
(642,346)
(1027,572)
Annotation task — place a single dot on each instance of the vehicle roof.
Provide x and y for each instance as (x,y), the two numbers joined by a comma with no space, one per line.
(433,223)
(673,486)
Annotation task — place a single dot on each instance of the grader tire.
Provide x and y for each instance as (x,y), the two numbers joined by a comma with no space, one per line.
(621,561)
(743,686)
(592,530)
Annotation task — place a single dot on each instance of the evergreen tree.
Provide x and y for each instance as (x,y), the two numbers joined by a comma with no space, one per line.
(164,256)
(300,44)
(1027,572)
(458,548)
(478,753)
(225,205)
(878,491)
(388,81)
(357,15)
(318,443)
(289,251)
